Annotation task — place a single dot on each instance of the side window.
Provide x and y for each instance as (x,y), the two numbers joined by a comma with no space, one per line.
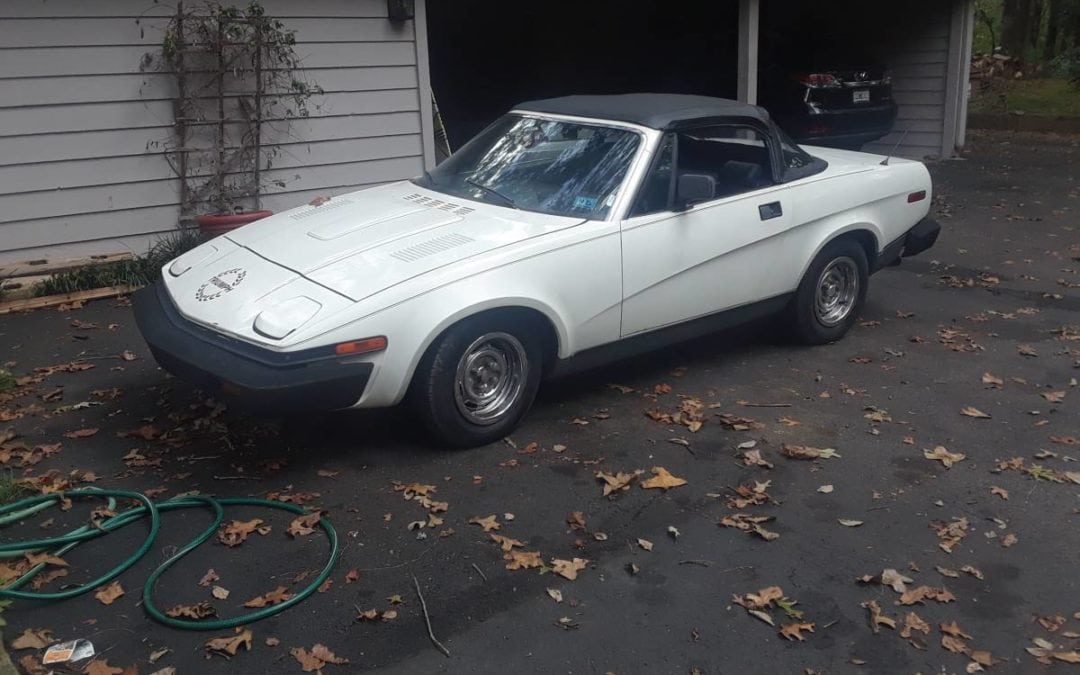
(736,158)
(654,193)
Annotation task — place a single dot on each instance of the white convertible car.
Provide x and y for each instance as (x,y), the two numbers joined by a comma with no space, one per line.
(569,231)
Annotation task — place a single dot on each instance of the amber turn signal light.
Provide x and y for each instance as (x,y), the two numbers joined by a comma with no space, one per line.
(373,344)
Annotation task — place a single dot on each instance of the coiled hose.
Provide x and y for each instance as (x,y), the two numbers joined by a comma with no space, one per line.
(152,510)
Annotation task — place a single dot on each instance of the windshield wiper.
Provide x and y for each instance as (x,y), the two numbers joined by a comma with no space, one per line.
(487,188)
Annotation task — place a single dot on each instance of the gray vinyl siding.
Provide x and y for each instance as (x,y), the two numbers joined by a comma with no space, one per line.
(81,170)
(917,53)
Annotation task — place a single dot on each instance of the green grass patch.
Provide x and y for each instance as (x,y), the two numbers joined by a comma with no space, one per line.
(11,490)
(1049,96)
(7,380)
(135,272)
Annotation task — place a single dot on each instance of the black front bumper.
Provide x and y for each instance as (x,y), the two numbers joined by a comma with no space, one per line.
(253,377)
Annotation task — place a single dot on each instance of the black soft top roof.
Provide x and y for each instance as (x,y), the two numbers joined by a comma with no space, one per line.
(657,111)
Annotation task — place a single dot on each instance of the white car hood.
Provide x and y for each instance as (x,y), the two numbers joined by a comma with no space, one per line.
(365,242)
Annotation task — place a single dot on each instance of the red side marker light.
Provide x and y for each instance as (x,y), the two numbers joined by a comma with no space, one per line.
(916,196)
(365,346)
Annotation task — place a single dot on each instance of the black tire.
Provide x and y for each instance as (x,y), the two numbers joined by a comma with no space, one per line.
(805,318)
(437,399)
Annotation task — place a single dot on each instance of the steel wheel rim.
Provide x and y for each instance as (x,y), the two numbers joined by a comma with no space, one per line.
(837,291)
(490,377)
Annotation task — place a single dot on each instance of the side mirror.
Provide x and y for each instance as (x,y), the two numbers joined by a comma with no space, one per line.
(694,188)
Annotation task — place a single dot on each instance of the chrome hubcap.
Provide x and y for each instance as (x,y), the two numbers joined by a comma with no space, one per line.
(490,377)
(837,291)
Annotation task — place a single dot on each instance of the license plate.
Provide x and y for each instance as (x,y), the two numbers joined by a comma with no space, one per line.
(861,95)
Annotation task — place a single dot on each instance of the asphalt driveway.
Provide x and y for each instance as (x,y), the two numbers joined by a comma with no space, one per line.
(988,320)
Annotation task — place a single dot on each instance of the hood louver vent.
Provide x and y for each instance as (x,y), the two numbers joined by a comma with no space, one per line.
(313,210)
(450,207)
(431,247)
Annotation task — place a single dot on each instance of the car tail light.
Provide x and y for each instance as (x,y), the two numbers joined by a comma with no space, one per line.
(818,80)
(916,196)
(372,344)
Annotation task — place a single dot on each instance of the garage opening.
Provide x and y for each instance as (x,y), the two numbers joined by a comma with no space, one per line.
(488,55)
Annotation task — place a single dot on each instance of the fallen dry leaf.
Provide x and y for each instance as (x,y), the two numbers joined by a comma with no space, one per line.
(749,523)
(33,638)
(754,458)
(1009,539)
(973,571)
(1053,396)
(992,380)
(847,522)
(954,645)
(519,560)
(662,479)
(954,630)
(107,595)
(949,534)
(506,543)
(756,603)
(236,532)
(913,622)
(230,644)
(792,631)
(313,661)
(568,569)
(81,433)
(806,452)
(352,575)
(198,611)
(488,523)
(941,454)
(970,411)
(210,577)
(44,558)
(274,597)
(889,577)
(1027,350)
(645,544)
(617,481)
(737,423)
(555,594)
(303,525)
(999,491)
(921,594)
(877,618)
(102,667)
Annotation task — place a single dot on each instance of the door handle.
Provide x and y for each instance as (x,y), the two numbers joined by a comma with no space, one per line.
(770,210)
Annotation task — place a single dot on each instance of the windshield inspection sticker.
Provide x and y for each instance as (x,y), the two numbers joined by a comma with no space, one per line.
(585,203)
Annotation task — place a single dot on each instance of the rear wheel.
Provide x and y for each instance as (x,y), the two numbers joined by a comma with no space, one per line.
(478,380)
(831,293)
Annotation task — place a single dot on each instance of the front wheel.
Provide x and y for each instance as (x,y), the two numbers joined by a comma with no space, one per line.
(833,289)
(478,380)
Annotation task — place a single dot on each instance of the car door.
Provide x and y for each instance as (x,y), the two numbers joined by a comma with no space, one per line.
(686,260)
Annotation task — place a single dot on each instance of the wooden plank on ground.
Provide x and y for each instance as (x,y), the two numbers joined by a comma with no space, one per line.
(65,298)
(45,266)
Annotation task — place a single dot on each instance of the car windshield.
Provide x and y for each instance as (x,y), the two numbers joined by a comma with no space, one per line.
(534,164)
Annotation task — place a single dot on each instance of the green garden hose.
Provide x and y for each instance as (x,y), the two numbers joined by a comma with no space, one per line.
(64,543)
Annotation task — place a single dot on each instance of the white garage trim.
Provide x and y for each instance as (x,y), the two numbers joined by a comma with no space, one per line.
(749,26)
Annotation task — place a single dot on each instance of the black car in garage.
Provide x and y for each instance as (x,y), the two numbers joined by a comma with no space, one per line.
(842,107)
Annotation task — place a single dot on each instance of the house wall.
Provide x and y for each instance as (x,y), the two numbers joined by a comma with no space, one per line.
(916,47)
(81,128)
